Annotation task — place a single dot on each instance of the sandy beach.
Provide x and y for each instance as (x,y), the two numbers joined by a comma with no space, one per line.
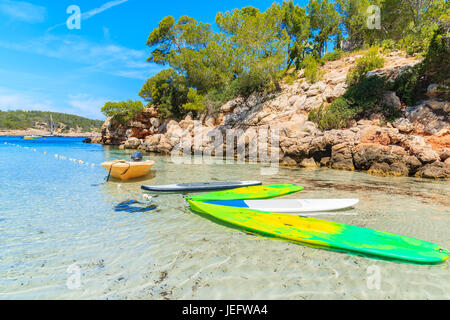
(38,132)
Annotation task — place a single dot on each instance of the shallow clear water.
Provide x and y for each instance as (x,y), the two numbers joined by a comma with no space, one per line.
(57,218)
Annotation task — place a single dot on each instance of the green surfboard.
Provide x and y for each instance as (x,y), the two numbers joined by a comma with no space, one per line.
(249,193)
(325,234)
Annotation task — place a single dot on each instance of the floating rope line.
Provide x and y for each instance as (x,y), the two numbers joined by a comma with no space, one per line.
(56,156)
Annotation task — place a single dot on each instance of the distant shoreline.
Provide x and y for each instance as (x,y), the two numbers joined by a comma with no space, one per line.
(36,132)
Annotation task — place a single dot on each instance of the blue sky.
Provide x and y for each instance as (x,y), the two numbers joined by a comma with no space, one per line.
(46,66)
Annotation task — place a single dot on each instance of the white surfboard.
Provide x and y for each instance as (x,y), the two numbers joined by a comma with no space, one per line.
(291,206)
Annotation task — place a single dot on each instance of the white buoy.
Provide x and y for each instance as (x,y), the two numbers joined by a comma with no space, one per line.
(147,197)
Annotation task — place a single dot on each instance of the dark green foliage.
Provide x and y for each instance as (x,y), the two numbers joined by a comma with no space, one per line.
(247,54)
(250,51)
(168,91)
(325,21)
(370,61)
(123,111)
(409,24)
(297,24)
(333,56)
(407,86)
(389,45)
(436,65)
(364,96)
(19,120)
(312,70)
(412,85)
(360,101)
(335,116)
(217,97)
(196,102)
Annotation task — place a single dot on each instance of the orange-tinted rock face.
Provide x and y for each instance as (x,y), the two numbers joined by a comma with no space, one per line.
(139,133)
(375,135)
(440,141)
(418,143)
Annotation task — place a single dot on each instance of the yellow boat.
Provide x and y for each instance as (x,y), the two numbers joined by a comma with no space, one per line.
(125,170)
(31,137)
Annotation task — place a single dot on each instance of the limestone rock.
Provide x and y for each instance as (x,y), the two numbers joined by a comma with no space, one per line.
(432,90)
(132,143)
(413,163)
(396,169)
(308,163)
(427,120)
(399,169)
(325,161)
(445,154)
(439,106)
(155,122)
(288,162)
(299,102)
(366,154)
(210,121)
(404,125)
(391,100)
(428,155)
(341,157)
(379,169)
(151,142)
(435,170)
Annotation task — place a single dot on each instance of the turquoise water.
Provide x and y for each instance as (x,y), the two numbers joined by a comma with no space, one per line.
(57,224)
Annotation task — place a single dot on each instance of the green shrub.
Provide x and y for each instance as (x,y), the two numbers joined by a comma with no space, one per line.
(364,96)
(406,86)
(253,80)
(370,61)
(215,98)
(417,41)
(122,111)
(360,101)
(291,77)
(196,102)
(333,56)
(388,45)
(168,91)
(436,65)
(411,86)
(312,70)
(337,115)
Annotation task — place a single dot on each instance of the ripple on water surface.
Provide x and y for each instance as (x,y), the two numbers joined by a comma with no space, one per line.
(57,217)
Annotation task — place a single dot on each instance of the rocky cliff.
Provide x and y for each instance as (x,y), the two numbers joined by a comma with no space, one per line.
(417,144)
